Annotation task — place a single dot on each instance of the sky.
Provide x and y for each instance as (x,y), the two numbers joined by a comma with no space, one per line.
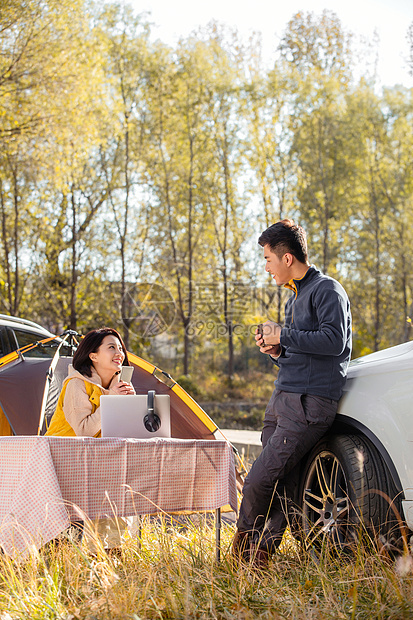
(390,19)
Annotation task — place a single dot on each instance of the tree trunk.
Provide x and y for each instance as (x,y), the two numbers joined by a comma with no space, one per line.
(227,316)
(73,283)
(187,320)
(8,304)
(123,234)
(377,321)
(15,301)
(326,232)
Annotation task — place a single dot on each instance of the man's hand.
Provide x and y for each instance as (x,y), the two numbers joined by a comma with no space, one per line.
(274,351)
(271,338)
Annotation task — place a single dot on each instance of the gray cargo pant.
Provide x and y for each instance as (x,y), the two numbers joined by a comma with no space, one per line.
(293,424)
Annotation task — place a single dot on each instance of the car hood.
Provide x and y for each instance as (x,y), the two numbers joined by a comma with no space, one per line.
(395,358)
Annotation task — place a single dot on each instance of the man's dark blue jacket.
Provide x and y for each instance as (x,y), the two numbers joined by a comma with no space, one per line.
(316,337)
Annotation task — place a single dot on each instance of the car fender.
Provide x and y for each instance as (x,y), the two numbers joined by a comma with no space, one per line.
(378,405)
(346,425)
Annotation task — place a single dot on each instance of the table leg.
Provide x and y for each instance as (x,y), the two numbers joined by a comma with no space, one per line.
(218,533)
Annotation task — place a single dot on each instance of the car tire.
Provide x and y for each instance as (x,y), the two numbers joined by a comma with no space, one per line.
(346,488)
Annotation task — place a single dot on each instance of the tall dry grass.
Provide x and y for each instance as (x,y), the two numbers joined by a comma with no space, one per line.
(173,573)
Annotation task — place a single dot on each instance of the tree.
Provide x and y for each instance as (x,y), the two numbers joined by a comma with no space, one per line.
(225,171)
(18,232)
(316,54)
(180,99)
(45,51)
(396,181)
(49,82)
(366,251)
(126,38)
(267,109)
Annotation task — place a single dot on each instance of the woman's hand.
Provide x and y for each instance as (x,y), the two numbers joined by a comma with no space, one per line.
(122,388)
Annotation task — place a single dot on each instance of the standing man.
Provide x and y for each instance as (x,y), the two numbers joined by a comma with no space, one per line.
(312,351)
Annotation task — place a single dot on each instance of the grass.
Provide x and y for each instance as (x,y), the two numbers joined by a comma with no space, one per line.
(173,574)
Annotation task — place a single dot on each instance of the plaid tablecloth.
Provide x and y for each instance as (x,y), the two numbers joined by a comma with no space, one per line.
(47,481)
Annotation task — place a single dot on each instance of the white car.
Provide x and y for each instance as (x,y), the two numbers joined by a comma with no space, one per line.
(362,470)
(16,333)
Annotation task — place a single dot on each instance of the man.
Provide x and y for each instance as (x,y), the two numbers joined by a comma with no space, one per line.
(312,352)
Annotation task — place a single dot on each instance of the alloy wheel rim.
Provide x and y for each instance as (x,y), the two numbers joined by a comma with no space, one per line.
(326,504)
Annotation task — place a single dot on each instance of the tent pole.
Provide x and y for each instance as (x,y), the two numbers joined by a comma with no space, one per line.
(49,378)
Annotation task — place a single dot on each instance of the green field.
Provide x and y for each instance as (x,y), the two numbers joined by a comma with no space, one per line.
(173,573)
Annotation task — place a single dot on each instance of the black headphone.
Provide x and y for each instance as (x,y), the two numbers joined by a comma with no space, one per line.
(151,421)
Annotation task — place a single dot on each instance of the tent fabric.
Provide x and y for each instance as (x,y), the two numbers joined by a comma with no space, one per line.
(188,419)
(21,391)
(22,384)
(5,428)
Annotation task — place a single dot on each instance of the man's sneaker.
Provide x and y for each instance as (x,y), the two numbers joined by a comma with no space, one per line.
(240,547)
(256,557)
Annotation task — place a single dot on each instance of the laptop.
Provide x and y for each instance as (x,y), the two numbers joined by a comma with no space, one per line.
(126,416)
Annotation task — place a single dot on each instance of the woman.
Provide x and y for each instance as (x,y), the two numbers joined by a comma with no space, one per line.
(94,371)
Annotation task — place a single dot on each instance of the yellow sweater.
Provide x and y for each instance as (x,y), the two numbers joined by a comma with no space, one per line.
(78,408)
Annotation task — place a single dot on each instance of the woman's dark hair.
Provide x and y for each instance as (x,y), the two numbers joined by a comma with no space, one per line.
(286,236)
(90,344)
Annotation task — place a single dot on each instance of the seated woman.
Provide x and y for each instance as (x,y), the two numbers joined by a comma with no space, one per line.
(94,371)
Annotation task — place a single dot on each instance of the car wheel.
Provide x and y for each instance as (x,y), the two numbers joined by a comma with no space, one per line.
(344,484)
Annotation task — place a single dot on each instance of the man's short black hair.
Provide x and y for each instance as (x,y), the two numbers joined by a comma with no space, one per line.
(286,236)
